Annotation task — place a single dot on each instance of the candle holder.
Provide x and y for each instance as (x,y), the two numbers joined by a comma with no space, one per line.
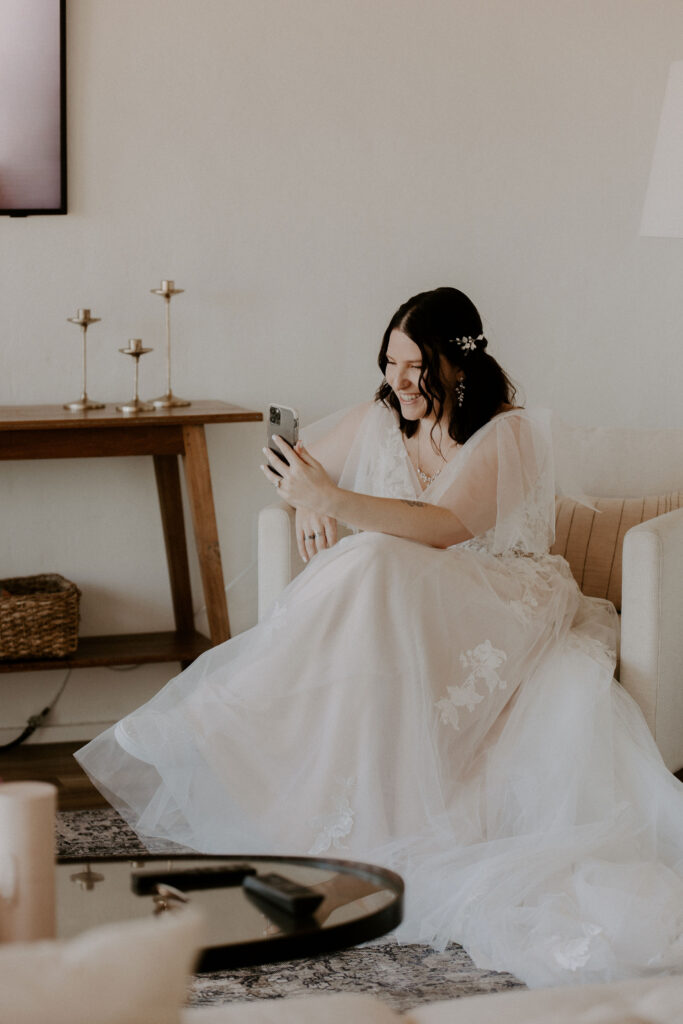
(169,400)
(88,879)
(135,349)
(83,319)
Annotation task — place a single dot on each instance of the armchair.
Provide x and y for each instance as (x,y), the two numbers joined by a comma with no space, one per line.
(630,552)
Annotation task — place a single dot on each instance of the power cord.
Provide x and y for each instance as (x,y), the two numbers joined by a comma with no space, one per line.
(36,721)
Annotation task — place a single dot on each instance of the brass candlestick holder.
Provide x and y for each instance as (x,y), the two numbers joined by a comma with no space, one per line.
(87,879)
(83,319)
(135,349)
(169,400)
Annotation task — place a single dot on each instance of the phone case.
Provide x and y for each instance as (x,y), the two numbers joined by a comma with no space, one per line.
(283,421)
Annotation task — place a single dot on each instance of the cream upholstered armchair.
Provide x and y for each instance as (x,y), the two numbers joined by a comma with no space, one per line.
(630,552)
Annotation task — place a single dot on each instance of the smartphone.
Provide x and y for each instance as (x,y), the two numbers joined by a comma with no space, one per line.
(283,421)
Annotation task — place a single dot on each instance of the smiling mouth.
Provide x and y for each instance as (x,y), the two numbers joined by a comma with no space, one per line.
(402,397)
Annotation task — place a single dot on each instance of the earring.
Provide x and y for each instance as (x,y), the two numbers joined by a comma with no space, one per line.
(460,393)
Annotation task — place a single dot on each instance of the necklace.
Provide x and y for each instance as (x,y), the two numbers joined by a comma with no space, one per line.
(426,478)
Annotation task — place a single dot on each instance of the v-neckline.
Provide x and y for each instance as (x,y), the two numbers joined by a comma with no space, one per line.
(419,489)
(461,448)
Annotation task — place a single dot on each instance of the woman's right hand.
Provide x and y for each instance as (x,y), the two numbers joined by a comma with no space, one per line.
(314,532)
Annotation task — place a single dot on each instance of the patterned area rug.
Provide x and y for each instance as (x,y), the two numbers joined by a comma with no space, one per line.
(401,975)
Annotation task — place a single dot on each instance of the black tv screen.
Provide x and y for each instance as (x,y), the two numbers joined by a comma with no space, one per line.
(32,107)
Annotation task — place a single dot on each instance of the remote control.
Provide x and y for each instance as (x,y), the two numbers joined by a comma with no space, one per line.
(295,899)
(215,876)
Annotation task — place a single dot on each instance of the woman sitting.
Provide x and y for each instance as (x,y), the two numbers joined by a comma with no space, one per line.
(432,693)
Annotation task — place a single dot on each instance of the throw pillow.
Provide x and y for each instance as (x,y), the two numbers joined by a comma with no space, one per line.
(592,541)
(133,972)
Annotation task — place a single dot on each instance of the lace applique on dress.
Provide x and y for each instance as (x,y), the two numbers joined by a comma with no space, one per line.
(334,826)
(484,661)
(392,473)
(573,954)
(526,530)
(528,575)
(483,543)
(598,650)
(385,470)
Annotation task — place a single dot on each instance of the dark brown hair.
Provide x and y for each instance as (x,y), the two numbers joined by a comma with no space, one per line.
(433,321)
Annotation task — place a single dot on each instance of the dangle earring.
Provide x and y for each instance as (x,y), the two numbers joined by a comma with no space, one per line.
(460,392)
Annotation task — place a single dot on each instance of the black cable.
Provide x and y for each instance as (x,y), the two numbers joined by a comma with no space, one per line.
(35,721)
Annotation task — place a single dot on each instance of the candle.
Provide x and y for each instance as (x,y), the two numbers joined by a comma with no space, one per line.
(83,314)
(167,286)
(135,344)
(27,861)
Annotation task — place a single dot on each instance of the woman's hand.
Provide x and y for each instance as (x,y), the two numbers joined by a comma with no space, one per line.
(314,532)
(305,485)
(302,480)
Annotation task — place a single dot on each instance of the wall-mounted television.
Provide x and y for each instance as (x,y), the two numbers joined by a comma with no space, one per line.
(32,107)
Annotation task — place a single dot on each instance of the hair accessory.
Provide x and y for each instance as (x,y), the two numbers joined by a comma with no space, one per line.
(469,344)
(460,393)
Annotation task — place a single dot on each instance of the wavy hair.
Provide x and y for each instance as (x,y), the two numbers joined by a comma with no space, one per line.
(433,321)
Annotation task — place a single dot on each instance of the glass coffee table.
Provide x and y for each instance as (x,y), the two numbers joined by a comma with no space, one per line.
(329,904)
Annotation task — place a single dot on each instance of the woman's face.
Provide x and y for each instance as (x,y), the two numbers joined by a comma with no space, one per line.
(404,365)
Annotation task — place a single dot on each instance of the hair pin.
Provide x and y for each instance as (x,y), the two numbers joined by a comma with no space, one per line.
(468,344)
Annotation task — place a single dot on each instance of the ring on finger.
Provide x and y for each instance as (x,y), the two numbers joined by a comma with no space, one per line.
(320,533)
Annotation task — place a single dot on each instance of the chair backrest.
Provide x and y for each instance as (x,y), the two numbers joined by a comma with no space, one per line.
(614,462)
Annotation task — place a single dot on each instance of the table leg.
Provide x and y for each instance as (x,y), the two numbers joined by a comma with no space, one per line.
(173,522)
(198,479)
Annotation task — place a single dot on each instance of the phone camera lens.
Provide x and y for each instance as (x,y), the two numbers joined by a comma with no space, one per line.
(275,416)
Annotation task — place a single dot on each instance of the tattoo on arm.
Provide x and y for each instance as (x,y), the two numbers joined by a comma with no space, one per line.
(413,504)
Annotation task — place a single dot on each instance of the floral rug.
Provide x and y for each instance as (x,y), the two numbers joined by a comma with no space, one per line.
(401,975)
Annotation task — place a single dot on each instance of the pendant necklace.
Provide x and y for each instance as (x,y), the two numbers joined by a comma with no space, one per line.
(425,477)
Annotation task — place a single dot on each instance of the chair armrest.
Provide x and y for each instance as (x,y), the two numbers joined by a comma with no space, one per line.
(651,668)
(277,554)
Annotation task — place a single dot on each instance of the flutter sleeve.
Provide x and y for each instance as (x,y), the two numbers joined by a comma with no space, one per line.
(501,485)
(333,439)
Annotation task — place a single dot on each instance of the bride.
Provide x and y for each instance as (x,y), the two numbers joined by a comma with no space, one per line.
(432,693)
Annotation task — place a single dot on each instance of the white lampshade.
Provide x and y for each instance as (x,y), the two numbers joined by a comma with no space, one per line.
(663,210)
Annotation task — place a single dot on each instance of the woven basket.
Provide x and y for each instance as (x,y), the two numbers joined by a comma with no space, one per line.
(38,617)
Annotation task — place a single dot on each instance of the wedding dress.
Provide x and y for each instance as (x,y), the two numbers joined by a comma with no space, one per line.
(448,713)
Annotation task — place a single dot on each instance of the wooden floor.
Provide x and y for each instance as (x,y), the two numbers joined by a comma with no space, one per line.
(52,762)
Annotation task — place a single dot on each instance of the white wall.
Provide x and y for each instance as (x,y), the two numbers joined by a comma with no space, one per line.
(300,167)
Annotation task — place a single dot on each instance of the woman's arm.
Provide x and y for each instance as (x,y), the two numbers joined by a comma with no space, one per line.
(306,483)
(400,517)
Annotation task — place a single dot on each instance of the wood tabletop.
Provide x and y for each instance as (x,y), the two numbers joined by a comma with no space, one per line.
(55,417)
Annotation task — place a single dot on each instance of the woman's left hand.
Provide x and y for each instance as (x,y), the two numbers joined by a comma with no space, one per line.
(302,482)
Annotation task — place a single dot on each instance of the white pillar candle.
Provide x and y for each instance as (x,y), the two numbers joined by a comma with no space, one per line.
(167,286)
(27,861)
(83,314)
(134,344)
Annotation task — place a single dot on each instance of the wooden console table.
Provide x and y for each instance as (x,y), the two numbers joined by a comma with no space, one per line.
(49,432)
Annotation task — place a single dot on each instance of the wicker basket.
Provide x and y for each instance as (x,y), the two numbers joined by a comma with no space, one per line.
(38,617)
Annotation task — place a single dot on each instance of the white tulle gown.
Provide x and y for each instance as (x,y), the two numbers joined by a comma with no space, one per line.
(449,713)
